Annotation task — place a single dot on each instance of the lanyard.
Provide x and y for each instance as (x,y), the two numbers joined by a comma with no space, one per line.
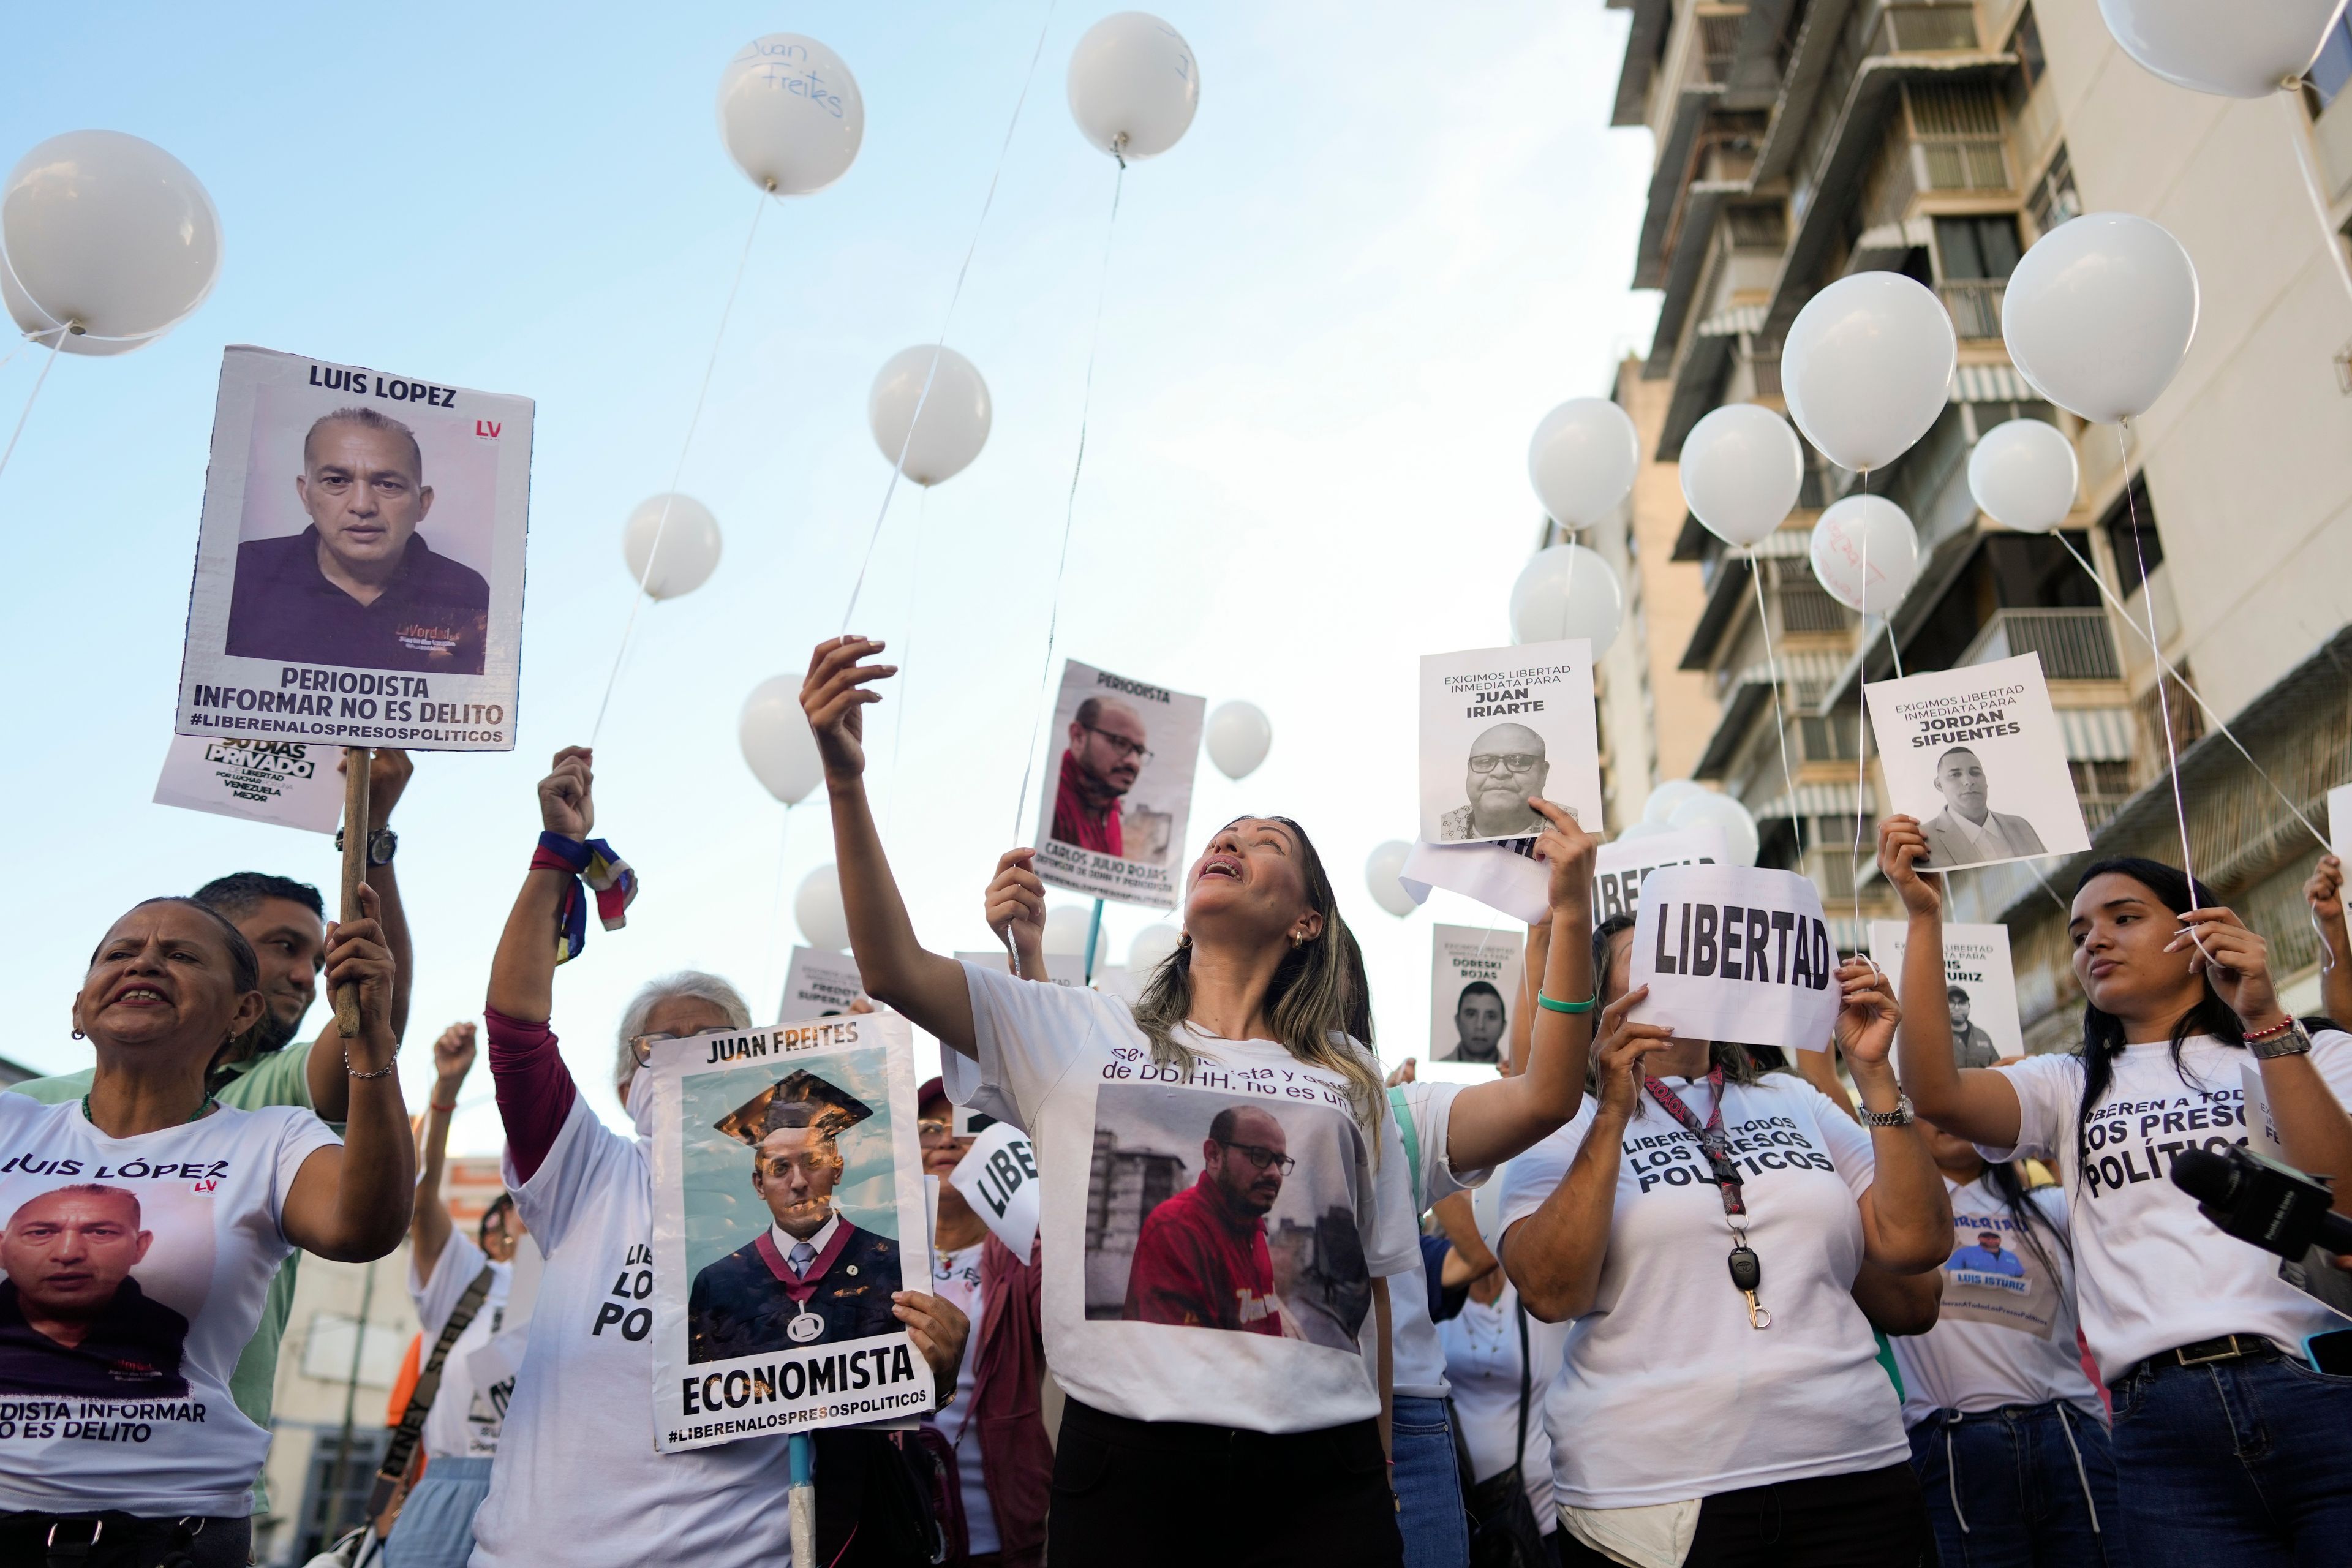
(1711,1141)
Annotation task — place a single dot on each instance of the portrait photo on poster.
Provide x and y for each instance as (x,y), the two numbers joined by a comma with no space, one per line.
(1733,953)
(293,784)
(106,1275)
(1474,992)
(1975,754)
(1500,726)
(1118,793)
(359,573)
(820,984)
(788,1207)
(1980,988)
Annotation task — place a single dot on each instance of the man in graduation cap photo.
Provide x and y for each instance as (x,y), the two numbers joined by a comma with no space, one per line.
(812,1276)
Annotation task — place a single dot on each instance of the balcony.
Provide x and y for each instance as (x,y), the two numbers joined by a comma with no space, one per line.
(2074,645)
(1975,305)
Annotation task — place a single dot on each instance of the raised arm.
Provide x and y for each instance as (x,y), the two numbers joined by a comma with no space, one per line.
(2324,893)
(429,1233)
(388,775)
(1015,908)
(1531,975)
(1976,1103)
(351,1202)
(1906,1214)
(896,970)
(535,1089)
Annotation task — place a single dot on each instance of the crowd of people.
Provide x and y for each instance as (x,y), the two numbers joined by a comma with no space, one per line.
(1636,1298)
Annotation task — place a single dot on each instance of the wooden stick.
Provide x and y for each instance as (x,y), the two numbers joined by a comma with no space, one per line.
(355,864)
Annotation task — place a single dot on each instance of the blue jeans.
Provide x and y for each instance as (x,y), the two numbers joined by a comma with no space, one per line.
(1429,1485)
(2025,1486)
(2237,1462)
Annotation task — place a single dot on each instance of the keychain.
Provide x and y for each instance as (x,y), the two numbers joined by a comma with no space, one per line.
(1747,1276)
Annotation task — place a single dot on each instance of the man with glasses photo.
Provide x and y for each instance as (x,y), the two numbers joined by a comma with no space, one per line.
(1106,753)
(1201,1258)
(1506,769)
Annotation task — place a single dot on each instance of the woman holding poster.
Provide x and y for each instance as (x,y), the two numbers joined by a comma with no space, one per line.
(2228,1439)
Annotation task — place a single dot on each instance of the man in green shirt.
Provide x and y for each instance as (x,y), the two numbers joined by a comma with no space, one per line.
(286,922)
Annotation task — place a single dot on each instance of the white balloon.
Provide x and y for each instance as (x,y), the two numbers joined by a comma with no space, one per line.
(1133,85)
(1150,949)
(687,550)
(2236,51)
(1581,460)
(1641,829)
(2022,474)
(1238,738)
(816,910)
(1865,553)
(1065,932)
(1660,807)
(956,413)
(1567,591)
(1713,810)
(1741,469)
(1382,869)
(790,113)
(1867,367)
(2099,314)
(109,234)
(775,733)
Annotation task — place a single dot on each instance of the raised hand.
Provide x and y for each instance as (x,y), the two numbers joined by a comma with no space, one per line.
(1619,1055)
(1901,848)
(1867,1013)
(453,1058)
(2325,892)
(1014,904)
(567,804)
(834,695)
(1569,851)
(2234,960)
(358,955)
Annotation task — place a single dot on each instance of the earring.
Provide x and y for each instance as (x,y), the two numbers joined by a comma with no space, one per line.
(1184,939)
(1298,941)
(80,1036)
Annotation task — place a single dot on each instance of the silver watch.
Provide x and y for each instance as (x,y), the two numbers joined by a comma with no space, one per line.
(2294,1043)
(1898,1117)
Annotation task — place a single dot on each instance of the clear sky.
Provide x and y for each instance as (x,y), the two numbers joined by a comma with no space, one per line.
(1394,238)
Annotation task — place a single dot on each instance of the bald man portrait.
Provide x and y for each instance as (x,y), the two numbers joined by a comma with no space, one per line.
(1507,767)
(72,1321)
(1968,831)
(358,587)
(1106,751)
(1201,1258)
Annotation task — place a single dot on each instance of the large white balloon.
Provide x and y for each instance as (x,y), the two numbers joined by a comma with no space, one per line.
(2022,474)
(1150,948)
(1133,85)
(1581,460)
(1659,808)
(1867,367)
(1712,810)
(2236,51)
(1741,469)
(108,235)
(1865,553)
(790,113)
(2099,314)
(1382,869)
(956,413)
(687,549)
(1238,738)
(1567,591)
(816,908)
(1067,926)
(776,740)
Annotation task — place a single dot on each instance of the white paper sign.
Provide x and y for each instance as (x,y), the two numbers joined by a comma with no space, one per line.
(1619,868)
(290,783)
(1497,875)
(2339,823)
(1731,952)
(998,1177)
(1474,991)
(820,984)
(1117,791)
(1975,754)
(1980,988)
(1499,725)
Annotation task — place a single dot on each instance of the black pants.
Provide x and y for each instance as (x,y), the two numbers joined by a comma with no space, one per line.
(1870,1519)
(223,1543)
(1140,1494)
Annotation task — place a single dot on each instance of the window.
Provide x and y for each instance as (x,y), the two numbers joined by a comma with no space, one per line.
(2333,69)
(1759,227)
(1958,126)
(1978,247)
(1826,741)
(2054,199)
(2132,546)
(2025,42)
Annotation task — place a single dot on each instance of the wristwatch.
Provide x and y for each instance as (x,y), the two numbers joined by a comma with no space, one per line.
(382,846)
(1898,1117)
(2289,1042)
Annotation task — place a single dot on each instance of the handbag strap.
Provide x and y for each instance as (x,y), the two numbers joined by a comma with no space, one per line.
(1527,1376)
(411,1431)
(1410,1135)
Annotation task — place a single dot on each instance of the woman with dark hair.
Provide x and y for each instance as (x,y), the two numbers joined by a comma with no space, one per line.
(142,1225)
(1703,1223)
(1225,1195)
(2227,1441)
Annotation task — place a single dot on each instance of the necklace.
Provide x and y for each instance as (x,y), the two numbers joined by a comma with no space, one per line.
(206,1105)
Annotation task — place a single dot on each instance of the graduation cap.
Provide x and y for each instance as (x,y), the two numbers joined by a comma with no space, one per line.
(804,1100)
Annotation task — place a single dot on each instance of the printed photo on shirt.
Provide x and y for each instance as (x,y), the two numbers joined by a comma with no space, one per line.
(104,1278)
(1500,726)
(1119,792)
(1220,1211)
(1474,987)
(360,566)
(1975,754)
(1999,1273)
(1980,988)
(788,1207)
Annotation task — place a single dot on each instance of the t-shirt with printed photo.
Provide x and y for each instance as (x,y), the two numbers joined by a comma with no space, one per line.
(1210,1243)
(136,1270)
(2153,1272)
(1710,1404)
(464,1418)
(1417,1357)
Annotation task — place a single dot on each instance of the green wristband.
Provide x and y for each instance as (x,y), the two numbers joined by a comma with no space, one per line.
(1550,1006)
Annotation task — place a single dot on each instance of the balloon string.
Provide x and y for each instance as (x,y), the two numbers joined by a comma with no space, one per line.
(38,381)
(678,471)
(906,651)
(776,909)
(1779,716)
(2328,240)
(898,465)
(1862,716)
(1069,509)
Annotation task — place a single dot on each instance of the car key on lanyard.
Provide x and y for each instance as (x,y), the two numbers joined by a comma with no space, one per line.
(1747,1269)
(1746,1275)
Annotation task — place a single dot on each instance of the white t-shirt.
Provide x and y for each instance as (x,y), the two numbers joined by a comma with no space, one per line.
(1417,1359)
(2006,1333)
(464,1421)
(577,1475)
(1170,1295)
(1482,1360)
(955,1277)
(2154,1273)
(1687,1398)
(159,1249)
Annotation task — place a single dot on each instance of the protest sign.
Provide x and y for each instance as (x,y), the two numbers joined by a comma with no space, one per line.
(290,783)
(998,1177)
(2339,823)
(1474,990)
(1499,725)
(1619,869)
(820,984)
(1980,988)
(1731,952)
(785,1130)
(1506,876)
(1975,754)
(1112,818)
(360,566)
